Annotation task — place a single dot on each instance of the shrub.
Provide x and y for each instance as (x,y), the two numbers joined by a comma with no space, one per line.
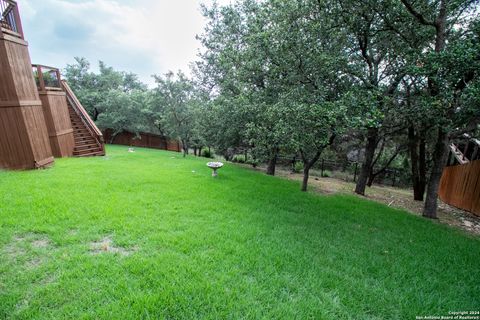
(326,173)
(239,158)
(253,162)
(298,167)
(207,153)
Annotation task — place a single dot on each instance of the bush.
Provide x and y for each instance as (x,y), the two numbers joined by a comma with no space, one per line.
(298,167)
(207,153)
(254,163)
(239,158)
(326,173)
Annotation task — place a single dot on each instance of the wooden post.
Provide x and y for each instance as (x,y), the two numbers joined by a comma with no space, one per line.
(465,150)
(58,78)
(18,21)
(393,178)
(323,166)
(41,81)
(475,152)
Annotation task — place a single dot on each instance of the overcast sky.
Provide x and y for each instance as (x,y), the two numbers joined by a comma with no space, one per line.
(140,36)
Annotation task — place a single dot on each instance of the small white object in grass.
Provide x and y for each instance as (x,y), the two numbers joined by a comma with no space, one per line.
(193,171)
(131,150)
(215,166)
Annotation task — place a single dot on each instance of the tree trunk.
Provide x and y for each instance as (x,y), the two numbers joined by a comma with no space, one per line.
(272,162)
(306,173)
(440,155)
(414,159)
(422,164)
(367,162)
(185,148)
(114,135)
(371,178)
(308,164)
(95,114)
(440,152)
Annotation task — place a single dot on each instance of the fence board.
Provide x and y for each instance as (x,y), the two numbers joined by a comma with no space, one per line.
(460,186)
(145,140)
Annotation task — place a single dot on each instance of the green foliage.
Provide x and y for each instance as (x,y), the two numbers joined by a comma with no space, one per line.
(207,153)
(114,99)
(298,167)
(240,158)
(176,104)
(327,174)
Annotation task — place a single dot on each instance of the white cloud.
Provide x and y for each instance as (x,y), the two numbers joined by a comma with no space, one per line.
(144,37)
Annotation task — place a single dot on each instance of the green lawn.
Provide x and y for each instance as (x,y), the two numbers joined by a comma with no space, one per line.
(152,235)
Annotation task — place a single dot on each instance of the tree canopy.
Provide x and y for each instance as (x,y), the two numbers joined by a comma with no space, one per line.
(292,78)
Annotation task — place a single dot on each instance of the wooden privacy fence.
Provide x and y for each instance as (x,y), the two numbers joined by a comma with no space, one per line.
(460,186)
(145,140)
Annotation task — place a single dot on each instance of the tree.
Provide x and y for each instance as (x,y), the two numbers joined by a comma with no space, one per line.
(176,97)
(377,64)
(449,85)
(91,88)
(123,112)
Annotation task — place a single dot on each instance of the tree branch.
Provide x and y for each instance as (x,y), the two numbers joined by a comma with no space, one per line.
(417,14)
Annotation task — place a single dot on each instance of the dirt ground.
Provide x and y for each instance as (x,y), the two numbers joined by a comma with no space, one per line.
(391,196)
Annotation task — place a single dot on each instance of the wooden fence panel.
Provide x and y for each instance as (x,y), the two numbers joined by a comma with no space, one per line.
(460,186)
(145,140)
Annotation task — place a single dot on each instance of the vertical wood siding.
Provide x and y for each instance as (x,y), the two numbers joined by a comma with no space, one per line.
(24,139)
(460,186)
(57,118)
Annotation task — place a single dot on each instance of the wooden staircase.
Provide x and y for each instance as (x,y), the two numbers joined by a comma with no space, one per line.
(85,144)
(88,138)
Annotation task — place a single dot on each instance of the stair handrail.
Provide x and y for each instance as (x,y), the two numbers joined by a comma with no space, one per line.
(80,110)
(458,154)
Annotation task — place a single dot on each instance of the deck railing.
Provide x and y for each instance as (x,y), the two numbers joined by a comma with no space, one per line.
(47,78)
(10,22)
(82,113)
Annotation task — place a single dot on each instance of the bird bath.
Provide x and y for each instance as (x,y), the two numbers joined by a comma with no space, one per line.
(214,166)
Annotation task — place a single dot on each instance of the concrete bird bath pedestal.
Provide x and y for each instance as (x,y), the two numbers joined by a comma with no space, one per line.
(214,166)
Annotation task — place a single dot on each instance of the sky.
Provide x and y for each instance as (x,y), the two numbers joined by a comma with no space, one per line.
(145,37)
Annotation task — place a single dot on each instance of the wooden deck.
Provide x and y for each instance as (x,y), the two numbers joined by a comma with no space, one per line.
(24,141)
(40,117)
(55,110)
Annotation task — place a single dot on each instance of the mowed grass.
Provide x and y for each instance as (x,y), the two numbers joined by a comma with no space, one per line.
(184,245)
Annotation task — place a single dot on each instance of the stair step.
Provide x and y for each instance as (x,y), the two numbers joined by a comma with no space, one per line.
(81,131)
(85,146)
(85,143)
(85,140)
(87,150)
(88,154)
(93,154)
